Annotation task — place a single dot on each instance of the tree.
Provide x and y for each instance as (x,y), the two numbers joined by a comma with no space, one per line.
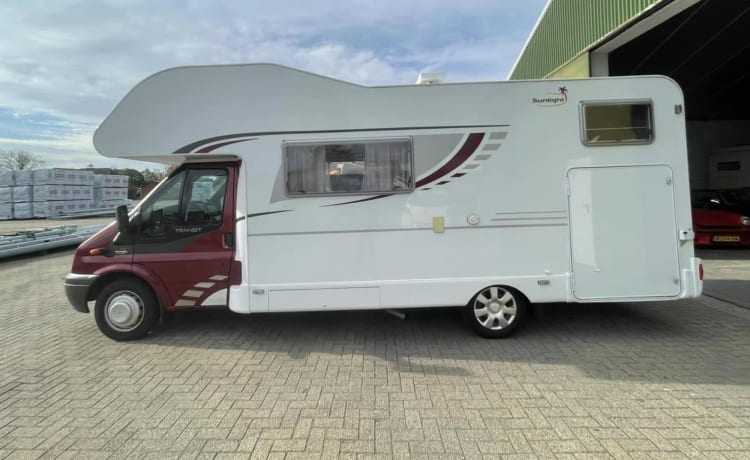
(135,178)
(153,176)
(19,160)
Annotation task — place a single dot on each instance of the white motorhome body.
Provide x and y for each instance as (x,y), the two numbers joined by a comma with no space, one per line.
(565,191)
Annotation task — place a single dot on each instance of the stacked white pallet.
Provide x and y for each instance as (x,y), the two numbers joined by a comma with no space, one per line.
(7,181)
(15,195)
(110,190)
(21,195)
(58,191)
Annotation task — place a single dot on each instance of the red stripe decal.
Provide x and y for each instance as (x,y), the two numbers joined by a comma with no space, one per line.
(463,154)
(211,148)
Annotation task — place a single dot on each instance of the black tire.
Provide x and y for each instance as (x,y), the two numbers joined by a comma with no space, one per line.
(136,314)
(489,323)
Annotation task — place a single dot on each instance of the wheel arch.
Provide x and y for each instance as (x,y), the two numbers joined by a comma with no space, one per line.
(500,285)
(133,272)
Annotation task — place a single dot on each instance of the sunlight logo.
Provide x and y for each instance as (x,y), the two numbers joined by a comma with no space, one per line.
(554,99)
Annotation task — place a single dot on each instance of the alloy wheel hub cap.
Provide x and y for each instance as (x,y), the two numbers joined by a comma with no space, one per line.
(494,307)
(124,311)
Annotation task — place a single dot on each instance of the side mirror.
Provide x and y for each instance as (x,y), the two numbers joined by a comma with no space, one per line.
(123,223)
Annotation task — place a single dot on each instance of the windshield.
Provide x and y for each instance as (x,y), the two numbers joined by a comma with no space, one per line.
(736,197)
(705,198)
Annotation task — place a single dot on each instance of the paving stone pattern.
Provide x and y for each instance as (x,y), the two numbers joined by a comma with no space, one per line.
(610,381)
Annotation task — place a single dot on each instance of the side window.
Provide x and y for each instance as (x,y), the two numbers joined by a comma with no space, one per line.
(162,212)
(189,202)
(617,123)
(351,167)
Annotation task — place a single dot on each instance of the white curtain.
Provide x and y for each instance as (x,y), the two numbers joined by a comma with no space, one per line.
(387,167)
(306,169)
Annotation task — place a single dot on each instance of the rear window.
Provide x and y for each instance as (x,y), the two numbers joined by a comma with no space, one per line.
(617,123)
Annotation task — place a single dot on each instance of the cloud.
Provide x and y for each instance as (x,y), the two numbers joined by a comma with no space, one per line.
(70,61)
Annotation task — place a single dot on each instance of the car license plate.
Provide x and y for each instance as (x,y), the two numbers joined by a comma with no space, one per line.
(726,239)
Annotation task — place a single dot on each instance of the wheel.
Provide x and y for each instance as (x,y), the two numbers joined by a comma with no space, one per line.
(126,309)
(496,311)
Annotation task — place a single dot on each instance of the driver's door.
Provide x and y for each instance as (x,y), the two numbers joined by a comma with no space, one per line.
(185,235)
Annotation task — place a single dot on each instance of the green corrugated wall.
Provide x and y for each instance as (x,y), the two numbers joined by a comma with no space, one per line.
(569,27)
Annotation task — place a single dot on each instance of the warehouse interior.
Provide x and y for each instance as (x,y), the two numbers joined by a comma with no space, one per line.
(704,45)
(706,49)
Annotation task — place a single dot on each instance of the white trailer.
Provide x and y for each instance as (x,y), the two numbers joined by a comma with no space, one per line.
(326,195)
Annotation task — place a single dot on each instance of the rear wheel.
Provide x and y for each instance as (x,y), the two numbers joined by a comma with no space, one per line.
(496,311)
(126,309)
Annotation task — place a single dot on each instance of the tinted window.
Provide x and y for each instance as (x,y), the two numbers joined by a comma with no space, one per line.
(162,212)
(705,198)
(191,200)
(736,197)
(617,123)
(204,197)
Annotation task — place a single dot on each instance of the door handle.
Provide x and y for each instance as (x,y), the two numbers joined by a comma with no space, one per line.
(687,235)
(229,240)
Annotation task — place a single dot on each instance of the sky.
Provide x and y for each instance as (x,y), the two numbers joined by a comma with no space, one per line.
(64,64)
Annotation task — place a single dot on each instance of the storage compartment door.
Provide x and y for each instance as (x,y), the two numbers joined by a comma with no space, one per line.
(623,232)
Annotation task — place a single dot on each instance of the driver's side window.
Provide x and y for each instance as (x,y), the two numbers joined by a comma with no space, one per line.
(162,213)
(190,202)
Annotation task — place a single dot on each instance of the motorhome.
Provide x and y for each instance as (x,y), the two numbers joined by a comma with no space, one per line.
(296,192)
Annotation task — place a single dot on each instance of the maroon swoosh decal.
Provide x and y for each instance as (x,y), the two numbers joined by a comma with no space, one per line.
(211,148)
(358,201)
(194,145)
(463,154)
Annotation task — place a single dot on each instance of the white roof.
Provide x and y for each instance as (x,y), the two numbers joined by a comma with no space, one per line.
(179,109)
(198,109)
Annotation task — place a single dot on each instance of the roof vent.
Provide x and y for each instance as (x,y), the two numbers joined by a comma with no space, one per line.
(430,78)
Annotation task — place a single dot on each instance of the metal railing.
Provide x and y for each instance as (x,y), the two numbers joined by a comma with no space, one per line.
(41,239)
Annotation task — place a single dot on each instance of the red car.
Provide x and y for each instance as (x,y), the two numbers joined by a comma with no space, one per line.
(714,227)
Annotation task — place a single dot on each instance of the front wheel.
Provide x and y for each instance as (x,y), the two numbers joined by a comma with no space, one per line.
(496,311)
(126,309)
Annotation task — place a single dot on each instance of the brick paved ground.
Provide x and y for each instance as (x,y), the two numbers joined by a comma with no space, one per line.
(640,380)
(727,274)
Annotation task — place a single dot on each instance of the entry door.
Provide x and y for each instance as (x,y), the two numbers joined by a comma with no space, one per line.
(623,232)
(186,235)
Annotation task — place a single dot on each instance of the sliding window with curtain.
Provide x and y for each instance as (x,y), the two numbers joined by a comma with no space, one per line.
(351,167)
(387,167)
(306,169)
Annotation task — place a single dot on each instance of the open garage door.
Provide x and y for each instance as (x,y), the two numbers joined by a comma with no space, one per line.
(705,48)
